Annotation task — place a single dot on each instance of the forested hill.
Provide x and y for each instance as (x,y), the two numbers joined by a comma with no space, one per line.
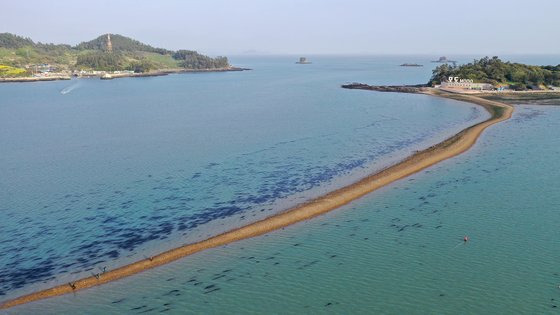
(495,71)
(21,54)
(12,41)
(120,43)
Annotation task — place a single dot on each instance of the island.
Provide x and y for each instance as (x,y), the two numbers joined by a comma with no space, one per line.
(490,78)
(444,59)
(108,56)
(303,61)
(411,65)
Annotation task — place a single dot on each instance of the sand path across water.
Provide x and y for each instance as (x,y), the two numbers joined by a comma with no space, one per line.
(449,148)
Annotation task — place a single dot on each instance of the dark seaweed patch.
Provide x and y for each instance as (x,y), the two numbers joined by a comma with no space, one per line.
(118,235)
(218,277)
(175,291)
(138,308)
(213,290)
(148,310)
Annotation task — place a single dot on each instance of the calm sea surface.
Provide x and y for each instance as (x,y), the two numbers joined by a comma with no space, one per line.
(114,171)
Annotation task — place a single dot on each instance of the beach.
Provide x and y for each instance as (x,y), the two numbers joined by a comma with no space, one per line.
(421,160)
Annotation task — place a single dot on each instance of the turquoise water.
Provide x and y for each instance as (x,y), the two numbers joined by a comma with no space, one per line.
(398,250)
(96,174)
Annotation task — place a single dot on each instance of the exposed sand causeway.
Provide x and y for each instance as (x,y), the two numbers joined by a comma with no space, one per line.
(451,147)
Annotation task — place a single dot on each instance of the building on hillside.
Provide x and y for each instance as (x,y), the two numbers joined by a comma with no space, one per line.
(41,68)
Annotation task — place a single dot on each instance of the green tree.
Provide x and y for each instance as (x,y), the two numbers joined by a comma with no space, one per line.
(101,61)
(493,70)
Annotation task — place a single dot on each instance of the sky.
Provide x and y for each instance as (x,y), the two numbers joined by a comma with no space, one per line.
(221,27)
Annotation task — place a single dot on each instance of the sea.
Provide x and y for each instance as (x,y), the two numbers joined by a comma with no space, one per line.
(95,174)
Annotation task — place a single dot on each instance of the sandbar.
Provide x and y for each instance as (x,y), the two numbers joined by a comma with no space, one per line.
(446,149)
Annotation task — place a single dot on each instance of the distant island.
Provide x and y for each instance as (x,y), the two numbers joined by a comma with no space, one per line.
(444,59)
(303,61)
(411,65)
(108,56)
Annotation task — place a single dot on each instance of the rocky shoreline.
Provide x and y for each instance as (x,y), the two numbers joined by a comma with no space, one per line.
(510,97)
(387,88)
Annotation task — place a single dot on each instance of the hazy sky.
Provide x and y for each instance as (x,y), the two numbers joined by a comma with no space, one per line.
(303,26)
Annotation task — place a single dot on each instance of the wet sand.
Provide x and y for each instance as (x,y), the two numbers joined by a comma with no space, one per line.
(451,147)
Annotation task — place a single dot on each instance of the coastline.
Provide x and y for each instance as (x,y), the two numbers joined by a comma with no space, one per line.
(110,76)
(551,98)
(34,79)
(166,72)
(453,146)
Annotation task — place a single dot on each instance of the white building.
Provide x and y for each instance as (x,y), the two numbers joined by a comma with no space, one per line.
(468,84)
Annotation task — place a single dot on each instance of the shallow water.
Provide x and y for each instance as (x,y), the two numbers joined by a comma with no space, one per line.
(398,250)
(100,173)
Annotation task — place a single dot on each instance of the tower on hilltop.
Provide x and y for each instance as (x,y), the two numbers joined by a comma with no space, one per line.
(109,45)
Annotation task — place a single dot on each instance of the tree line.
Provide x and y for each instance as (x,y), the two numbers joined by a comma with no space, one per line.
(496,72)
(120,43)
(101,61)
(191,59)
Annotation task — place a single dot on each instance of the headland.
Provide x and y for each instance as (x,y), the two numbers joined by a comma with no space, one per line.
(108,56)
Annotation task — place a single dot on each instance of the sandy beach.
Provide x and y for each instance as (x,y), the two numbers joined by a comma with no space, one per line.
(449,148)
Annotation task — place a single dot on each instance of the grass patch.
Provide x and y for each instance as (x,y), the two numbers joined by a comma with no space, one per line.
(163,61)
